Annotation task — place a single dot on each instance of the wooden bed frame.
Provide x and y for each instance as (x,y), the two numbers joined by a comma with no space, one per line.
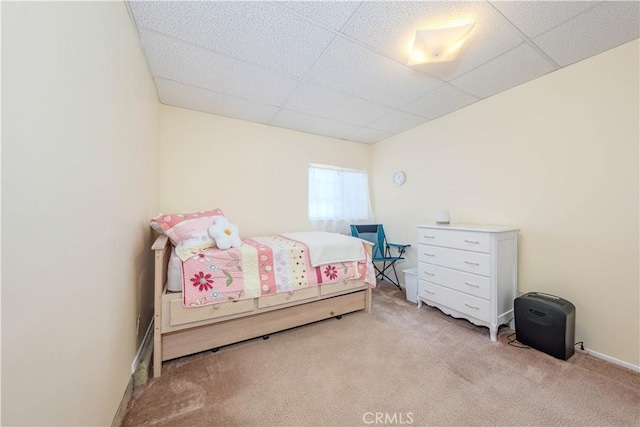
(180,331)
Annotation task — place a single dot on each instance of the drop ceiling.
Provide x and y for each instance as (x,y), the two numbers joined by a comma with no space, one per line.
(339,68)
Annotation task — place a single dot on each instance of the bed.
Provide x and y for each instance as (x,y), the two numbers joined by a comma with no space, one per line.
(229,303)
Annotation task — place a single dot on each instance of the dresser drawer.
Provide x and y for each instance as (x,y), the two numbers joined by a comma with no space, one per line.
(457,239)
(468,283)
(471,262)
(463,303)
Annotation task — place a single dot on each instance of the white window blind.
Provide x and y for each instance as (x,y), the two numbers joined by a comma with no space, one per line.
(338,197)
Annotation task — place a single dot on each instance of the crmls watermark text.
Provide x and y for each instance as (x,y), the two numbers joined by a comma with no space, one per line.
(382,418)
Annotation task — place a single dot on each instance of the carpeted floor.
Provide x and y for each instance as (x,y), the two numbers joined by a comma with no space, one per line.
(397,366)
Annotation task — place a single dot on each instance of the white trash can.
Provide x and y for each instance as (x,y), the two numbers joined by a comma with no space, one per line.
(411,284)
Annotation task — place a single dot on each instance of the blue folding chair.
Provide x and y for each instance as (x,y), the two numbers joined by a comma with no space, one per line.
(381,253)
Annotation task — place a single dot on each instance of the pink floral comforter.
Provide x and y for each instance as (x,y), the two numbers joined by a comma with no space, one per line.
(262,266)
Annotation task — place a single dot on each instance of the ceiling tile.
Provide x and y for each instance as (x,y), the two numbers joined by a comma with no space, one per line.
(311,124)
(536,17)
(181,95)
(369,75)
(368,136)
(256,31)
(333,14)
(330,104)
(396,122)
(439,102)
(509,70)
(175,60)
(603,27)
(389,27)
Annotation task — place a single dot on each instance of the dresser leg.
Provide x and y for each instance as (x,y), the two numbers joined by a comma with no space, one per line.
(493,331)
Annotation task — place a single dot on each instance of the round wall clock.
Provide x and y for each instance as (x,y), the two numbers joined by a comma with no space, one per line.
(399,178)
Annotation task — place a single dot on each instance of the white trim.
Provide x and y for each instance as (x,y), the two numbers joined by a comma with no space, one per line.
(336,168)
(614,360)
(134,364)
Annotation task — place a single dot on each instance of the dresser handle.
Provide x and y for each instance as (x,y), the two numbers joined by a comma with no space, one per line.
(429,254)
(473,242)
(430,273)
(429,292)
(470,306)
(472,263)
(471,284)
(429,237)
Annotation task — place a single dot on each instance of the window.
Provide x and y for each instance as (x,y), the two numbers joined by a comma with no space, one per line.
(338,197)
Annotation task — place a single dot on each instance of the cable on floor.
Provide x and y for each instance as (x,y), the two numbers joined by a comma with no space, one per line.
(513,342)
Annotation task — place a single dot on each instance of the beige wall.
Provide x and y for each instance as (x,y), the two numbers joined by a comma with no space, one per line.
(256,174)
(557,157)
(79,183)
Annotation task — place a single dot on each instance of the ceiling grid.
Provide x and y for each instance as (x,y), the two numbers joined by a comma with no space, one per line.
(338,68)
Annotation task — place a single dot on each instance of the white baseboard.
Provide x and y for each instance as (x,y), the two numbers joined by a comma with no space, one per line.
(134,364)
(614,360)
(602,356)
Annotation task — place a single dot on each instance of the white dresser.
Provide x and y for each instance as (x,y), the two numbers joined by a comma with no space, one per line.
(469,271)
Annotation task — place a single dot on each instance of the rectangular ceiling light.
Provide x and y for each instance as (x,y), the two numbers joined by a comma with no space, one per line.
(438,45)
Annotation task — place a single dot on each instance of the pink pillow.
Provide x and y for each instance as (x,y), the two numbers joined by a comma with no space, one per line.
(188,232)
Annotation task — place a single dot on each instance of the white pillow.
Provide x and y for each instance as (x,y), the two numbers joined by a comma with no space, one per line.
(174,273)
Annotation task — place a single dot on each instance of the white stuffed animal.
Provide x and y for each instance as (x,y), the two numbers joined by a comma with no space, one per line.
(225,234)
